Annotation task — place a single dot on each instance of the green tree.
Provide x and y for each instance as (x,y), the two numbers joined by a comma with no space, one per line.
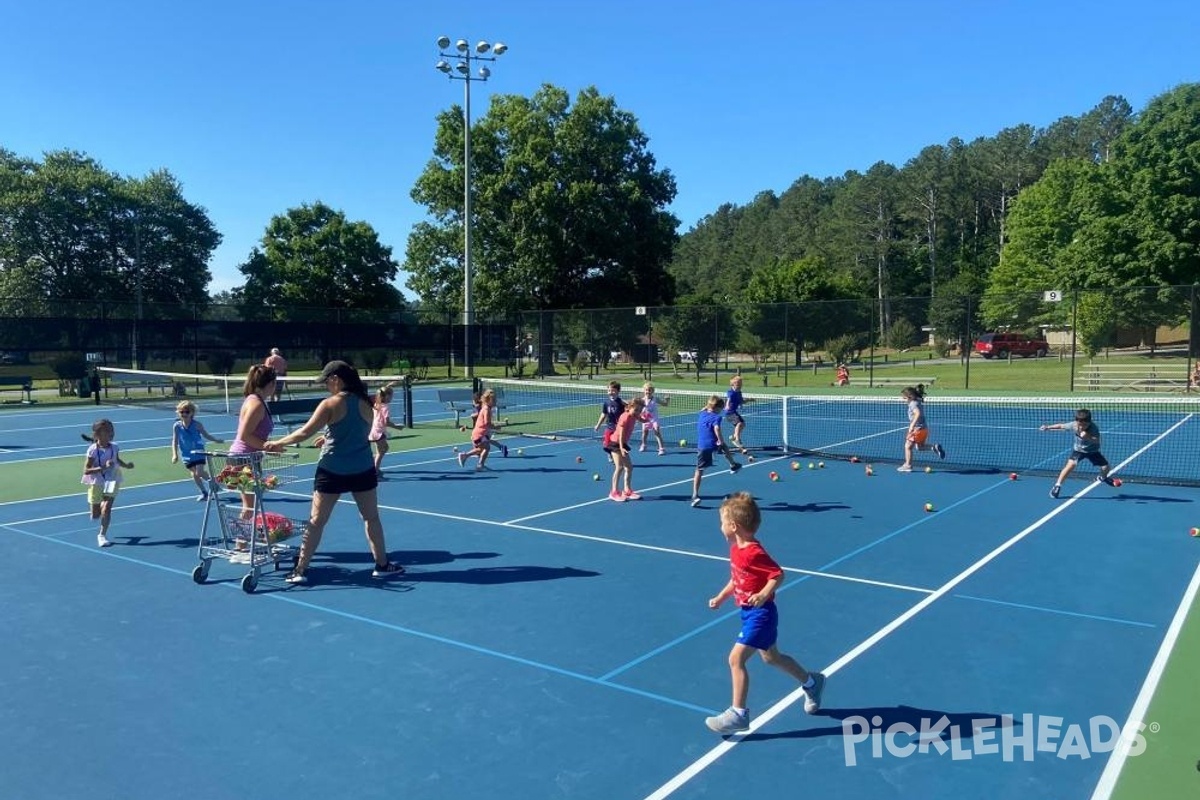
(1158,159)
(569,209)
(313,256)
(800,302)
(73,230)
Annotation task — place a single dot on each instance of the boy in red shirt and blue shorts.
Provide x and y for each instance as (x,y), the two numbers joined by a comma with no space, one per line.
(754,578)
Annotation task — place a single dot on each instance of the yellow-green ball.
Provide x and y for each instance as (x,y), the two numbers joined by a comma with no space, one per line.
(595,476)
(683,442)
(811,465)
(795,465)
(929,469)
(929,506)
(520,452)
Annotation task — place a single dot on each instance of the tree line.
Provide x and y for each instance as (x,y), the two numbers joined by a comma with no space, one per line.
(570,211)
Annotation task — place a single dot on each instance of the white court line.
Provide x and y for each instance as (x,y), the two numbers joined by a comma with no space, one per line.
(622,543)
(1116,760)
(70,514)
(605,499)
(702,763)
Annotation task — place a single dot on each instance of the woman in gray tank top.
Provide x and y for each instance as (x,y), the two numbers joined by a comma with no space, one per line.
(346,465)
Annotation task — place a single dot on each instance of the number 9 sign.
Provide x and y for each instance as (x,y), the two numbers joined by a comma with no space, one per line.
(1052,296)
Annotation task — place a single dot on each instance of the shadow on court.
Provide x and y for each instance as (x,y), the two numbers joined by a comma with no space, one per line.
(963,724)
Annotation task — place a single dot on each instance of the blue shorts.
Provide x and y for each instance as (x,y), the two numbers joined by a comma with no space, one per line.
(704,459)
(760,626)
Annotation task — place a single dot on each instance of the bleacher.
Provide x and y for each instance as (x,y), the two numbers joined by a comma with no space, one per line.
(891,380)
(1164,377)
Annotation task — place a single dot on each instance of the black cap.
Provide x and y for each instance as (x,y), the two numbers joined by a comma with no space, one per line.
(338,368)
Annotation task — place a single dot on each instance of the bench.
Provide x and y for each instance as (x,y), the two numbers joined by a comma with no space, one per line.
(22,383)
(893,381)
(462,401)
(289,413)
(151,383)
(1134,377)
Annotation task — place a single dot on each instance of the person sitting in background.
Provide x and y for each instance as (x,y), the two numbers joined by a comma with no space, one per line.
(1195,379)
(843,376)
(277,362)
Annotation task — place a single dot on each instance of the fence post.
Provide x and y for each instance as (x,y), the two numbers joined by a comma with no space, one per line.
(1074,334)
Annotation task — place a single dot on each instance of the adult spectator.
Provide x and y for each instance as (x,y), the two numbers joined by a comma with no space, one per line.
(277,362)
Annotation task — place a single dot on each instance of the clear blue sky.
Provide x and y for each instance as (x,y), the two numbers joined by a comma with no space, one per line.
(261,105)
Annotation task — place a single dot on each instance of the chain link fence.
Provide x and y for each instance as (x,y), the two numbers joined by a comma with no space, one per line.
(1098,332)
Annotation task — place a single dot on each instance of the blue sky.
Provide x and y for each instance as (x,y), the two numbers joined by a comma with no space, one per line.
(261,105)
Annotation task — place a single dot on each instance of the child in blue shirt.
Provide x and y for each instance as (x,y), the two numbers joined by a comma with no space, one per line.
(708,440)
(733,410)
(187,437)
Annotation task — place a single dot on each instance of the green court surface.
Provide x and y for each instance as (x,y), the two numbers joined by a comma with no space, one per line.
(1170,765)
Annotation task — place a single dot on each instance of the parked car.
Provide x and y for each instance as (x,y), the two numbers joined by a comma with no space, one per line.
(1003,345)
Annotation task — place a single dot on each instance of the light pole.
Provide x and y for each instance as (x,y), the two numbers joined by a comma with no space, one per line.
(465,59)
(137,277)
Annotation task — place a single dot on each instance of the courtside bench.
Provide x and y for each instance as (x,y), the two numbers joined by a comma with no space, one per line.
(1134,377)
(895,381)
(462,401)
(126,382)
(290,413)
(20,383)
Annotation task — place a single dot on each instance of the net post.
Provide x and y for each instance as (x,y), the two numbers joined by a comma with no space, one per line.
(408,402)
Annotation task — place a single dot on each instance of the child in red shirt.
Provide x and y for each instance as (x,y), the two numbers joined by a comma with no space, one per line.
(754,578)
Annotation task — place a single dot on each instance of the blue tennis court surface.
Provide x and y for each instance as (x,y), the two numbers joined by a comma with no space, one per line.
(546,642)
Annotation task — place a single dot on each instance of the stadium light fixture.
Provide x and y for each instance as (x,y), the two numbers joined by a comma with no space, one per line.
(465,60)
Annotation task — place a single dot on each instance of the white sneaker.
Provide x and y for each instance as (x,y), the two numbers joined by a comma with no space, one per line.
(904,468)
(102,540)
(729,721)
(462,459)
(642,449)
(695,502)
(812,696)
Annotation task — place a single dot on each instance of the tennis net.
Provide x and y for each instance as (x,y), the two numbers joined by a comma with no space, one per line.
(1159,437)
(212,394)
(571,410)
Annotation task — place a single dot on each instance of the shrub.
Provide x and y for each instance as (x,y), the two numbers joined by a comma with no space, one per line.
(69,367)
(374,360)
(220,362)
(844,348)
(902,335)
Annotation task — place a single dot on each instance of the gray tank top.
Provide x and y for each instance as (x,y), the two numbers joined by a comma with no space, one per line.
(346,450)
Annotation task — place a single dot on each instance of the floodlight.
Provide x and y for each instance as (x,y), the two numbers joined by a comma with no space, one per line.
(462,45)
(485,73)
(499,48)
(443,42)
(482,47)
(442,66)
(462,67)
